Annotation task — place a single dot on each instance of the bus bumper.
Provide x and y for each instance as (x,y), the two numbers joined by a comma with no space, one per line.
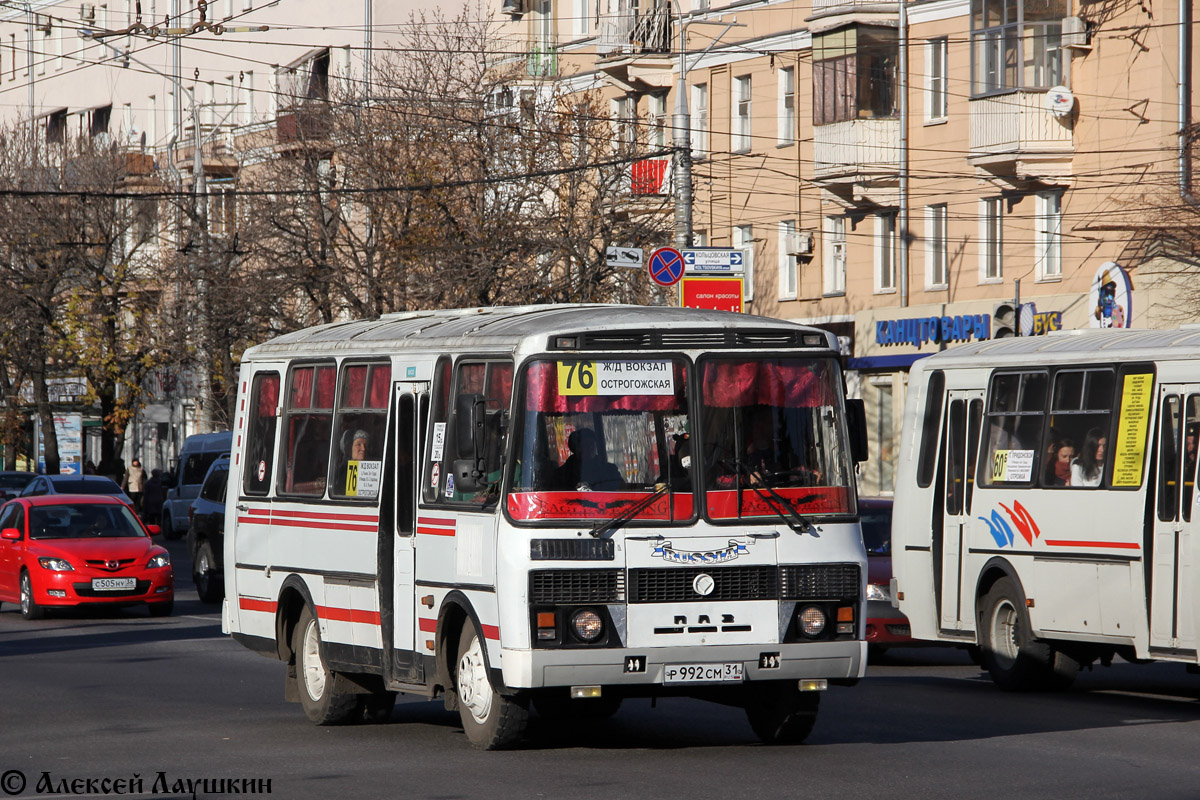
(532,669)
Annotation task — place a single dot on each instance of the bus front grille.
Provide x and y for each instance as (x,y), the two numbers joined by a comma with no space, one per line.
(820,582)
(551,586)
(679,584)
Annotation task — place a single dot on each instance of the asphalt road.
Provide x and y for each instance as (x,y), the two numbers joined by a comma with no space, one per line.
(114,695)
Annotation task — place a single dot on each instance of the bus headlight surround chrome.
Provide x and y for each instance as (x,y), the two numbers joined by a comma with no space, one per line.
(811,620)
(587,625)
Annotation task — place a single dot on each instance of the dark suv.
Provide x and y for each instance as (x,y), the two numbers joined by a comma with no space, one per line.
(206,533)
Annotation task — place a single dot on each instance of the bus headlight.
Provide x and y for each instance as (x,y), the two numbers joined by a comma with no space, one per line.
(587,625)
(812,621)
(879,592)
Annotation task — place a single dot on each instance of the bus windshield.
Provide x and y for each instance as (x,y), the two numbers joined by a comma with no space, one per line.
(770,431)
(595,438)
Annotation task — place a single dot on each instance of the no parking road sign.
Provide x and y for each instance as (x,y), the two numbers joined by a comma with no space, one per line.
(665,266)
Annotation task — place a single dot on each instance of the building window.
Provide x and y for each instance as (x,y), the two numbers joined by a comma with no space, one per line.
(854,74)
(885,252)
(835,255)
(1016,44)
(582,15)
(743,239)
(936,51)
(741,113)
(306,79)
(151,120)
(787,105)
(787,260)
(699,238)
(1049,235)
(991,237)
(884,437)
(700,120)
(937,272)
(658,119)
(622,113)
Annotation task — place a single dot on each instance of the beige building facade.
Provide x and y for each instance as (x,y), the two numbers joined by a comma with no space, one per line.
(899,175)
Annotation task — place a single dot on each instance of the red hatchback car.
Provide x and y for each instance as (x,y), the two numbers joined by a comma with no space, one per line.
(72,550)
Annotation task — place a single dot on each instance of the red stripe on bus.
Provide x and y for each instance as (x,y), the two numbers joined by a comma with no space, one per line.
(428,625)
(364,518)
(261,511)
(348,615)
(1113,545)
(491,632)
(436,521)
(251,604)
(324,526)
(435,531)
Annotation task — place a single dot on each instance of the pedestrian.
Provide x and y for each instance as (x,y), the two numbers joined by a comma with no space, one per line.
(152,497)
(134,484)
(89,467)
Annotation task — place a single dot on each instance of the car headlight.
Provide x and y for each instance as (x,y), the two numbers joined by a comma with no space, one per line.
(56,564)
(877,591)
(160,560)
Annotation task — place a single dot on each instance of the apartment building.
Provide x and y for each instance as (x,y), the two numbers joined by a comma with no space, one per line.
(893,172)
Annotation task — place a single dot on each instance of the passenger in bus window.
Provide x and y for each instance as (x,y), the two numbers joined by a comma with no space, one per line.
(587,468)
(1058,465)
(1088,467)
(1189,450)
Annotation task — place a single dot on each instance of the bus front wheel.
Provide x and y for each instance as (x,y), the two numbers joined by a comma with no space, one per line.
(492,721)
(779,713)
(1014,658)
(322,702)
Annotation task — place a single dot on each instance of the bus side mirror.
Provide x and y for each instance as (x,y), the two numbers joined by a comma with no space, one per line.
(469,478)
(468,425)
(856,426)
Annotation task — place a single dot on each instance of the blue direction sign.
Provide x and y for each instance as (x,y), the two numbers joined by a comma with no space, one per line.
(665,266)
(714,259)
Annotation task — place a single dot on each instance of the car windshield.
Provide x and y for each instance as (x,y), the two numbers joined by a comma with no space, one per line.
(196,467)
(18,481)
(877,530)
(81,486)
(83,522)
(771,432)
(595,438)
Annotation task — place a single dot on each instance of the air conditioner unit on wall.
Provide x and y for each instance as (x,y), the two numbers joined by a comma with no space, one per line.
(800,244)
(1075,34)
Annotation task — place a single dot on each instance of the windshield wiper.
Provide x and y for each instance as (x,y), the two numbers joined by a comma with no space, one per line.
(629,513)
(775,501)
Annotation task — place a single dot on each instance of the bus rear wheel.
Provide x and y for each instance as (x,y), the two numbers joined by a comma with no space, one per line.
(779,713)
(323,703)
(1014,658)
(492,721)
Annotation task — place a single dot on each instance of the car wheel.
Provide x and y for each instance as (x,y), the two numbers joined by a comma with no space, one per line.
(1009,652)
(779,713)
(208,588)
(161,609)
(322,702)
(167,529)
(492,721)
(29,607)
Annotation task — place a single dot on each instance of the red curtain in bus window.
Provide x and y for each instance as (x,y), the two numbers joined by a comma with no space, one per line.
(356,384)
(268,396)
(471,377)
(499,390)
(326,382)
(300,395)
(730,385)
(381,384)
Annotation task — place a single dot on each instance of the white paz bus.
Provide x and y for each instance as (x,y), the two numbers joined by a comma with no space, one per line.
(563,505)
(1045,501)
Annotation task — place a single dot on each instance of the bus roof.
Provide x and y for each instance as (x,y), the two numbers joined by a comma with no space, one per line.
(599,327)
(1117,345)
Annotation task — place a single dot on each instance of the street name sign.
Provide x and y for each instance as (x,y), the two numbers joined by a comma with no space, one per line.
(719,260)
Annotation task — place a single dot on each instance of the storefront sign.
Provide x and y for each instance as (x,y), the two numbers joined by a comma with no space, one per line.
(920,330)
(716,294)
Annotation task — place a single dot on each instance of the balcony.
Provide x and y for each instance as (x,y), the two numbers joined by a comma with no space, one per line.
(306,122)
(825,8)
(541,61)
(860,155)
(635,48)
(1016,134)
(650,177)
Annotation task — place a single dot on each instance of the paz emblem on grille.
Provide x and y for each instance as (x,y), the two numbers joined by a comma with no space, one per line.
(703,584)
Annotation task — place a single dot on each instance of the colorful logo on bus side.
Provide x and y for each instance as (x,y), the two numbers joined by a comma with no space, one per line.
(1024,522)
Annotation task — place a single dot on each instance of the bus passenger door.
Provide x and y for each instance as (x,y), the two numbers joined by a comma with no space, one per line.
(961,442)
(411,410)
(1173,564)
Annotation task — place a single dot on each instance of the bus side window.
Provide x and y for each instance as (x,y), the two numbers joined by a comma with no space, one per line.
(439,416)
(492,381)
(1015,414)
(926,460)
(1168,459)
(308,419)
(358,435)
(1080,419)
(1191,428)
